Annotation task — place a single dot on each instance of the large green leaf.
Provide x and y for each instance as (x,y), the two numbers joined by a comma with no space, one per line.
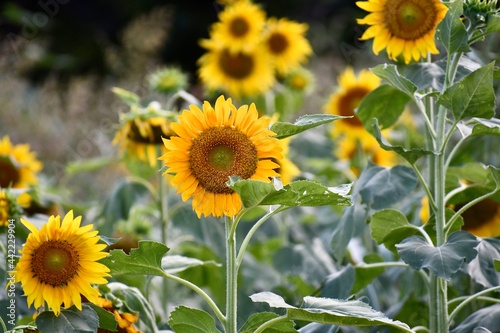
(425,75)
(445,260)
(284,129)
(176,263)
(330,311)
(390,227)
(69,320)
(390,74)
(411,155)
(257,319)
(339,284)
(385,103)
(484,320)
(384,187)
(299,193)
(366,274)
(107,320)
(145,260)
(473,96)
(189,320)
(482,268)
(451,31)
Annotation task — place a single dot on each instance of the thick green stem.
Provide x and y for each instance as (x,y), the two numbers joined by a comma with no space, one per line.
(162,207)
(231,279)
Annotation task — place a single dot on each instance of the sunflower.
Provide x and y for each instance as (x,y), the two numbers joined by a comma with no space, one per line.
(59,263)
(240,27)
(343,102)
(299,79)
(5,207)
(215,143)
(239,74)
(481,220)
(18,165)
(143,137)
(125,320)
(12,205)
(404,27)
(287,44)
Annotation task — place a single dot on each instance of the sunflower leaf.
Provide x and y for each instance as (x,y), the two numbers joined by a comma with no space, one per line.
(69,320)
(451,31)
(299,193)
(390,74)
(257,319)
(330,311)
(107,320)
(389,227)
(385,103)
(145,260)
(284,129)
(176,263)
(445,260)
(473,96)
(411,155)
(189,320)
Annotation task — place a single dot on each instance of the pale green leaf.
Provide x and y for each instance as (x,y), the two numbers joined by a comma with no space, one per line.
(390,227)
(176,263)
(189,320)
(390,74)
(285,129)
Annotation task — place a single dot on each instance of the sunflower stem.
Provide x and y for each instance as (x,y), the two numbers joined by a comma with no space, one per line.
(231,278)
(162,207)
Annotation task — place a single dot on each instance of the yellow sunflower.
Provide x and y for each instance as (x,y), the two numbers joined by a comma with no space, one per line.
(481,220)
(404,27)
(287,169)
(287,44)
(240,27)
(215,143)
(239,74)
(300,79)
(18,165)
(142,137)
(5,204)
(343,102)
(59,263)
(11,205)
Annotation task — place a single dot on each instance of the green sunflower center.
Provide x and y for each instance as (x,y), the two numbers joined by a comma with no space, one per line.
(348,102)
(410,19)
(278,43)
(220,152)
(237,66)
(55,262)
(9,174)
(154,136)
(480,214)
(239,27)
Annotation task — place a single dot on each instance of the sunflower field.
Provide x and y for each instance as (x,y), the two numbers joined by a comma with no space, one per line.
(287,176)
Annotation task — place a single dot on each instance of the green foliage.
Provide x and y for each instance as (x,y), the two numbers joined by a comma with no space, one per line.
(145,260)
(390,74)
(69,320)
(306,122)
(451,31)
(330,311)
(189,320)
(299,193)
(257,319)
(445,260)
(390,227)
(482,268)
(473,96)
(385,103)
(107,320)
(175,263)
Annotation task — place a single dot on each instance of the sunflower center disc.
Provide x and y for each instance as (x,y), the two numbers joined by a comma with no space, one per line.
(55,262)
(349,102)
(480,214)
(237,66)
(410,19)
(9,174)
(239,27)
(154,137)
(278,43)
(220,152)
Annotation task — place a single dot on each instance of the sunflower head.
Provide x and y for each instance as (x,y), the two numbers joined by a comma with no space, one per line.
(287,169)
(403,27)
(214,143)
(168,80)
(59,263)
(287,44)
(18,165)
(241,74)
(351,90)
(478,12)
(10,207)
(240,27)
(482,219)
(300,80)
(142,131)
